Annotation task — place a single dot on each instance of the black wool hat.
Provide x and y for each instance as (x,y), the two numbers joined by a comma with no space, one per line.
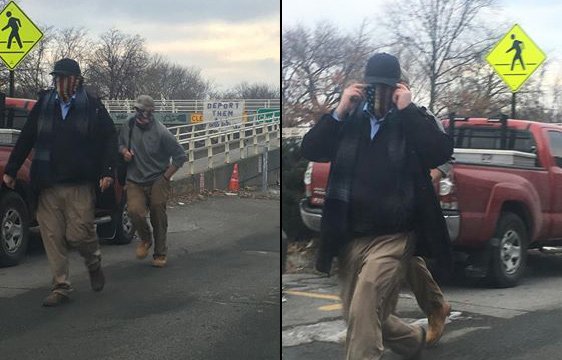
(382,68)
(66,67)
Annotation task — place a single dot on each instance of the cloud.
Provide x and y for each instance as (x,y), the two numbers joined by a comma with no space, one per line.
(230,41)
(234,42)
(228,54)
(158,12)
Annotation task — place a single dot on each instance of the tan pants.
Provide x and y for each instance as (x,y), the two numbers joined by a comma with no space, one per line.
(144,198)
(372,270)
(428,294)
(66,220)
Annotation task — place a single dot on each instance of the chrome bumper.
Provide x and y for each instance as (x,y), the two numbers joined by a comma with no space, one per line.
(453,220)
(311,217)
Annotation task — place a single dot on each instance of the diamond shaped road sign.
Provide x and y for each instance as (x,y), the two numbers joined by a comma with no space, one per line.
(18,35)
(515,57)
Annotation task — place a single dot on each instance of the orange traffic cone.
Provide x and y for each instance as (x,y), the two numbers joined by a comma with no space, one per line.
(234,184)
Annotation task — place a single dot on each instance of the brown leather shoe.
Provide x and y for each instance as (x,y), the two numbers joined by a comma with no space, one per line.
(55,299)
(142,249)
(159,261)
(436,322)
(97,279)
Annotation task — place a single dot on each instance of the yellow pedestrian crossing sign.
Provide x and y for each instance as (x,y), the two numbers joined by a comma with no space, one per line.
(515,57)
(18,35)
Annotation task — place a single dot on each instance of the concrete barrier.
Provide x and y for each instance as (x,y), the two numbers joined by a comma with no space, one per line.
(249,170)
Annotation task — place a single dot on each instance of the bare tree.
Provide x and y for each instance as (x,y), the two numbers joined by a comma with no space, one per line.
(442,37)
(479,92)
(117,65)
(316,65)
(163,79)
(246,90)
(73,43)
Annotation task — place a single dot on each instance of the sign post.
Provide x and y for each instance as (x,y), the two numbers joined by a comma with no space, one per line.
(515,58)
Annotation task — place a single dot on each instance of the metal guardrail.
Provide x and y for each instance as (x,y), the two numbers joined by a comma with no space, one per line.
(216,138)
(190,106)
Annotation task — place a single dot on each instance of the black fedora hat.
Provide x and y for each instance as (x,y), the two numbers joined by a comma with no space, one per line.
(66,67)
(382,68)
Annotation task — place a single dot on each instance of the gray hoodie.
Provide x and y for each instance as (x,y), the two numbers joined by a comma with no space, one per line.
(153,148)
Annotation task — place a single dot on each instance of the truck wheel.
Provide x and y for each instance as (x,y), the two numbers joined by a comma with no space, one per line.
(509,258)
(14,229)
(124,231)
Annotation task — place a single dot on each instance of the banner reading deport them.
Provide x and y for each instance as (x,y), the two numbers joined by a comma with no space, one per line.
(223,112)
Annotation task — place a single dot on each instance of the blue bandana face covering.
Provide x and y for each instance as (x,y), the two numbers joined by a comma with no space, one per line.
(379,99)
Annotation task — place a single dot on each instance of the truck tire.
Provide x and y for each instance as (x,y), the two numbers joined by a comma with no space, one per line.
(509,257)
(124,232)
(14,229)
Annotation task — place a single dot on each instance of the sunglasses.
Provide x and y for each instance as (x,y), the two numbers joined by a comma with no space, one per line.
(145,113)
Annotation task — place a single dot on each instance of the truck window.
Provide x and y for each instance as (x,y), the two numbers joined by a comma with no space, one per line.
(19,119)
(555,141)
(490,138)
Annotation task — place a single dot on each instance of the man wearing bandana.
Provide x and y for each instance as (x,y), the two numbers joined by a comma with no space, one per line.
(74,142)
(148,146)
(380,208)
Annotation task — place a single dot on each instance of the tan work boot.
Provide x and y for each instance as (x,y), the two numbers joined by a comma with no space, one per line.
(159,261)
(142,249)
(55,299)
(436,322)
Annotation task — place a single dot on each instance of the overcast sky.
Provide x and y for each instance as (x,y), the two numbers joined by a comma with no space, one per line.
(229,40)
(540,19)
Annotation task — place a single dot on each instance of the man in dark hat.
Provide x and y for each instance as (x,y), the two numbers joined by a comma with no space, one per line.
(380,206)
(75,146)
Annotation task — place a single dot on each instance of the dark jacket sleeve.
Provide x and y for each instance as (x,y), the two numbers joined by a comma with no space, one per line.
(432,145)
(321,142)
(107,135)
(25,142)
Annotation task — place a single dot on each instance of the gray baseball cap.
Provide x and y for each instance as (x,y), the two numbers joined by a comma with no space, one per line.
(144,103)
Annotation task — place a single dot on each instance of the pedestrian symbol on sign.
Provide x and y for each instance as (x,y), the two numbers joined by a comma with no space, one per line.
(518,46)
(15,24)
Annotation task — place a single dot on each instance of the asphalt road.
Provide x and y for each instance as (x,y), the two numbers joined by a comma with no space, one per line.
(217,299)
(517,324)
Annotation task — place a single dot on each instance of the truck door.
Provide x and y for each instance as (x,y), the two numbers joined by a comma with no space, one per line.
(555,174)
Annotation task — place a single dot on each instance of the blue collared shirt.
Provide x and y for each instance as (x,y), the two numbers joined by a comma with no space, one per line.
(375,123)
(65,106)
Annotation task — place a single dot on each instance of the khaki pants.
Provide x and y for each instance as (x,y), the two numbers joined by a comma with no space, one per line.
(372,270)
(144,198)
(66,220)
(425,289)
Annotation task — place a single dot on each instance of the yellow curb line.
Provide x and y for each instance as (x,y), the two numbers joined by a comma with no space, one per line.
(313,295)
(333,307)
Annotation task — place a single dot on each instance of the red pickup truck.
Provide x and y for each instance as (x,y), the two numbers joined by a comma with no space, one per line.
(502,196)
(17,207)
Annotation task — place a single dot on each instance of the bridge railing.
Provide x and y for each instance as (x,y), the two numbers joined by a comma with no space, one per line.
(221,137)
(189,106)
